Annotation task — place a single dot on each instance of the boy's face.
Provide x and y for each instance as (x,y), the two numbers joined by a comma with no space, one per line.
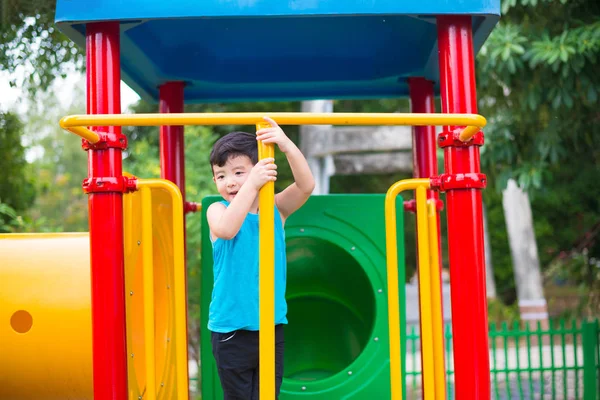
(231,176)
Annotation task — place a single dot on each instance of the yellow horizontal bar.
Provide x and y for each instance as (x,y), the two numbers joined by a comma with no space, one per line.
(179,289)
(391,248)
(78,123)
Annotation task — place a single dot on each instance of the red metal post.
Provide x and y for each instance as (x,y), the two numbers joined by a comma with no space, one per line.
(425,163)
(172,154)
(106,218)
(464,211)
(172,159)
(424,140)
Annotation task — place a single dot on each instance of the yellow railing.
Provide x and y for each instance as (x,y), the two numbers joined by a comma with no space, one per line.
(429,291)
(148,284)
(78,123)
(179,290)
(436,302)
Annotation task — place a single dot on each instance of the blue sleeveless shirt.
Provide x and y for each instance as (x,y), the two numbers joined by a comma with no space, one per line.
(234,303)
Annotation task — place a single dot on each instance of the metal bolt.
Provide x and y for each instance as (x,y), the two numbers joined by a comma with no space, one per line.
(139,242)
(380,291)
(162,384)
(349,372)
(131,293)
(301,229)
(376,339)
(353,248)
(168,286)
(303,387)
(131,355)
(168,339)
(140,397)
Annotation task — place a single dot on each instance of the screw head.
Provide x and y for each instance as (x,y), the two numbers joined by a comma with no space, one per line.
(380,291)
(303,387)
(301,229)
(349,372)
(353,248)
(376,339)
(139,242)
(131,355)
(131,293)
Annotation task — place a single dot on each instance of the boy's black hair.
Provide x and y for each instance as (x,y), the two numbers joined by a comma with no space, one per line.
(232,145)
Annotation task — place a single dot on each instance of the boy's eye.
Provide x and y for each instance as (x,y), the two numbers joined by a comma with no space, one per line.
(239,173)
(220,177)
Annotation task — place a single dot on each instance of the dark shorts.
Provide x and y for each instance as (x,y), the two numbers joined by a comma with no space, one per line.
(236,354)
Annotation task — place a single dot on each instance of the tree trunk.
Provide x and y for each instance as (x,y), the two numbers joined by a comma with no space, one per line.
(489,270)
(523,248)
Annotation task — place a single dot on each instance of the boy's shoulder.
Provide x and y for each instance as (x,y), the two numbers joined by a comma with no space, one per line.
(217,205)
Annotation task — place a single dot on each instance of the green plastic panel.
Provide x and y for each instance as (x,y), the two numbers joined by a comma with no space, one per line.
(337,338)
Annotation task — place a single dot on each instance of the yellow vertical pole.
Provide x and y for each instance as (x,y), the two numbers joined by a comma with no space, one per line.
(391,251)
(180,291)
(266,278)
(391,246)
(148,284)
(436,304)
(425,295)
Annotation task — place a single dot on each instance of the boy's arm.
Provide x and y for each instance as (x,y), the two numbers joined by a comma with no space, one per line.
(295,195)
(225,222)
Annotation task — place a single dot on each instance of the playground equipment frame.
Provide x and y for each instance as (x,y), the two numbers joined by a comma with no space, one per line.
(457,83)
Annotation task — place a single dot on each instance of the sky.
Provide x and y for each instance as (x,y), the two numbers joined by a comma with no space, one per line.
(14,99)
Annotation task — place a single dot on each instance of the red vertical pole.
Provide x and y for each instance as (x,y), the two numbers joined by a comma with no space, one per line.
(425,163)
(172,154)
(424,146)
(424,140)
(172,159)
(106,218)
(464,212)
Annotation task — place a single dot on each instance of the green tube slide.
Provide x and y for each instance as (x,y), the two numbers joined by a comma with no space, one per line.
(337,337)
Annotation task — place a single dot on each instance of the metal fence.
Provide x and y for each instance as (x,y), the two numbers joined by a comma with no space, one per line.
(560,361)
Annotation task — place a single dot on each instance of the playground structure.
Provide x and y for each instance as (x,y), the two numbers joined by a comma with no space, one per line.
(132,344)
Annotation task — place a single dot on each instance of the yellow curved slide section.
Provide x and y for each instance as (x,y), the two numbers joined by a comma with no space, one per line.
(45,316)
(45,320)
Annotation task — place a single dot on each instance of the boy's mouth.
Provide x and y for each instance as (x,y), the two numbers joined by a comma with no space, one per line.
(232,194)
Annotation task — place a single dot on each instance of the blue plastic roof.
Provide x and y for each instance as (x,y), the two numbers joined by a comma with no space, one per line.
(250,50)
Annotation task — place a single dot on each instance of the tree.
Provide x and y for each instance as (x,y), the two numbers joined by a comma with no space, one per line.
(538,82)
(16,187)
(539,85)
(30,41)
(60,164)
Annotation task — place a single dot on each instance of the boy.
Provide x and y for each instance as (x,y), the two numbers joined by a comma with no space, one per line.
(233,312)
